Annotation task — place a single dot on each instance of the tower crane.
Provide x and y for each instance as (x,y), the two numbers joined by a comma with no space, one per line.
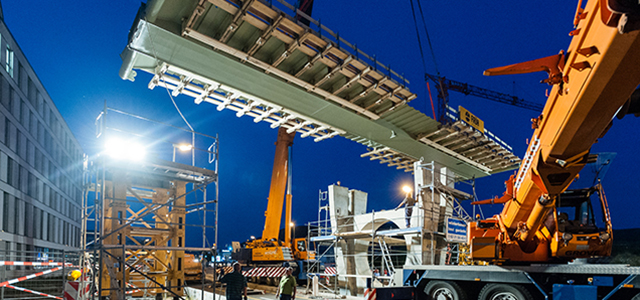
(445,85)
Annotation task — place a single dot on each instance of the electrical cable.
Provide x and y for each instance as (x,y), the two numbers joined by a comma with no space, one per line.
(155,56)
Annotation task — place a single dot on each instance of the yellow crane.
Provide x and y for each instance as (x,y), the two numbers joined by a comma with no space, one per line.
(269,250)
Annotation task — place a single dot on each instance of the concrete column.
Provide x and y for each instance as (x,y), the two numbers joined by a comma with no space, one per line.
(436,207)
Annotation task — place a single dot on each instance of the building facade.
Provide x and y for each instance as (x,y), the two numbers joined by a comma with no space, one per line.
(40,163)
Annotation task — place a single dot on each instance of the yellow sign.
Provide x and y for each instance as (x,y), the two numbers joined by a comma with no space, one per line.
(470,119)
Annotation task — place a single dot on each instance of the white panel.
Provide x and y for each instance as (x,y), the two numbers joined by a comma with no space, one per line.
(339,203)
(359,202)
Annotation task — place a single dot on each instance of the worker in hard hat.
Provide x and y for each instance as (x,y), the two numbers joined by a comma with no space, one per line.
(408,203)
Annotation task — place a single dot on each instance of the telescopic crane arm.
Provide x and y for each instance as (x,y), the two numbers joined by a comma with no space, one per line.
(591,81)
(279,179)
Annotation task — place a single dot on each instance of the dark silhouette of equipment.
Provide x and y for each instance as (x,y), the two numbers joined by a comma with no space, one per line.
(445,85)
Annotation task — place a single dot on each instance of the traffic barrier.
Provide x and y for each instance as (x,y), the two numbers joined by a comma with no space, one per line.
(370,294)
(23,278)
(265,272)
(32,263)
(329,272)
(32,292)
(72,290)
(135,289)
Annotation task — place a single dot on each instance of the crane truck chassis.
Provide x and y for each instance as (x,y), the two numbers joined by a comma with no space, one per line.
(565,282)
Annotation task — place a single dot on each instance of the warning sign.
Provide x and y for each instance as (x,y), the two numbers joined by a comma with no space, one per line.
(471,119)
(456,230)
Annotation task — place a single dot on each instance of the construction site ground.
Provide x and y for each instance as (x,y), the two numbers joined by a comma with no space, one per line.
(258,291)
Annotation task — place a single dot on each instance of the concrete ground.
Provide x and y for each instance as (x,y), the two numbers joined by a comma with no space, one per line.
(262,292)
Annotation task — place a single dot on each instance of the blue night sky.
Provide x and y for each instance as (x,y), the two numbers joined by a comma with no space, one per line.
(74,47)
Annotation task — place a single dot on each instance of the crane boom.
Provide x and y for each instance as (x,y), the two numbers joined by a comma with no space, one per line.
(279,178)
(591,81)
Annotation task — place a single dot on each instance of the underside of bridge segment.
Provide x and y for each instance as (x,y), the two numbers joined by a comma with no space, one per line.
(256,58)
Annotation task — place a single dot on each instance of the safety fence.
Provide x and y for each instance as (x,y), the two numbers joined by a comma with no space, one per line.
(35,274)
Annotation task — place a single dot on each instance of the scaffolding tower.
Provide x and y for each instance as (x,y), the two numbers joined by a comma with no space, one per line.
(140,214)
(366,248)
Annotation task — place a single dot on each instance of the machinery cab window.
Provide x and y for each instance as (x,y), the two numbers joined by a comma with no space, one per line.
(580,211)
(301,245)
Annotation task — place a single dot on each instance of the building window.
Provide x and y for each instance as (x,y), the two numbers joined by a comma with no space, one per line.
(10,171)
(6,213)
(9,63)
(16,217)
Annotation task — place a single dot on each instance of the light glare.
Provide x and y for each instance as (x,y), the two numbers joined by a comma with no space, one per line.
(185,147)
(125,150)
(406,189)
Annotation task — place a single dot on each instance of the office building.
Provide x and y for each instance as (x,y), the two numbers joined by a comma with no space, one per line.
(40,162)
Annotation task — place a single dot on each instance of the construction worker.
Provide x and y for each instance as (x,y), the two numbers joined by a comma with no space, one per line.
(408,202)
(287,288)
(236,283)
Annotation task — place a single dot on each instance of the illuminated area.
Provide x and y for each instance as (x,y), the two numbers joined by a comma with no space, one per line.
(125,150)
(185,147)
(406,189)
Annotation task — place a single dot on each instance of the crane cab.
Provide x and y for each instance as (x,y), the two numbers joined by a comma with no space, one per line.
(582,226)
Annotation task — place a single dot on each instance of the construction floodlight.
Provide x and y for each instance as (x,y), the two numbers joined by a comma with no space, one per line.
(125,150)
(184,147)
(406,189)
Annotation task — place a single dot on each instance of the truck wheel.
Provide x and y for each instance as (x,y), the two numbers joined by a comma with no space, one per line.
(636,297)
(494,291)
(444,290)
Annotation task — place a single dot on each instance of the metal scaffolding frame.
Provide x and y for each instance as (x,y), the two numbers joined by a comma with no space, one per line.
(139,215)
(428,224)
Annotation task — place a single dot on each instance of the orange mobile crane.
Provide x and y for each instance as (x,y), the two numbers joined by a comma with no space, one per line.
(592,82)
(269,250)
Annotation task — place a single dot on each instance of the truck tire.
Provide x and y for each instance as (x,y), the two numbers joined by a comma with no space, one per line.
(636,297)
(495,291)
(444,290)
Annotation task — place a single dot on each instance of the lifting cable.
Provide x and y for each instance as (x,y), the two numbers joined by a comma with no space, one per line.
(433,56)
(424,64)
(415,22)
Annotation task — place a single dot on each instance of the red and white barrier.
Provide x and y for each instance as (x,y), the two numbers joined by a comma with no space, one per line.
(23,278)
(330,270)
(370,294)
(265,272)
(32,292)
(72,290)
(225,270)
(32,263)
(135,289)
